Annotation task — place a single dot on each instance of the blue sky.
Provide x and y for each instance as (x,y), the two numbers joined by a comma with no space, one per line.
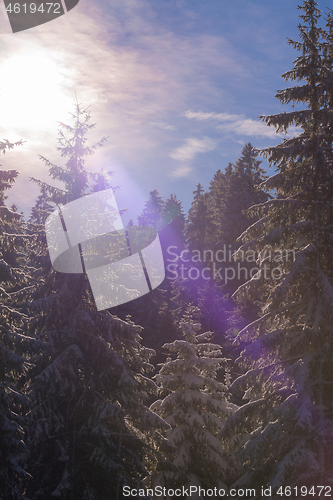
(176,85)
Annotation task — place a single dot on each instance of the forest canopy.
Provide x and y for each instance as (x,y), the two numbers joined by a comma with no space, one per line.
(221,377)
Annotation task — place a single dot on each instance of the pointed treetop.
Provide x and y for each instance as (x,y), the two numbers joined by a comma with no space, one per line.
(72,144)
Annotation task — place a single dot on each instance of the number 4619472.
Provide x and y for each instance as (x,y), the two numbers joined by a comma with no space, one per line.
(304,491)
(32,8)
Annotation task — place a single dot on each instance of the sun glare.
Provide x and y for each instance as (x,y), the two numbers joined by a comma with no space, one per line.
(33,92)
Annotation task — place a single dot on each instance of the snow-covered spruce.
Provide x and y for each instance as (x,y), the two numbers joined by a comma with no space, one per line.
(195,405)
(285,429)
(15,347)
(89,431)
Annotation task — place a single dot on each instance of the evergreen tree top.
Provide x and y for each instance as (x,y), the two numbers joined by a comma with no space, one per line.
(72,145)
(198,192)
(313,145)
(152,212)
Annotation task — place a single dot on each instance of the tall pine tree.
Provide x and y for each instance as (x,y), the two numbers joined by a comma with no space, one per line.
(89,427)
(287,425)
(15,346)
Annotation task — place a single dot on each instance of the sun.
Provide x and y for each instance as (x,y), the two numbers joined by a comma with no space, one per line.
(33,92)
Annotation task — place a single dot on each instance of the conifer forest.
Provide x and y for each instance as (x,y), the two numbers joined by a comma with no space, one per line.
(216,384)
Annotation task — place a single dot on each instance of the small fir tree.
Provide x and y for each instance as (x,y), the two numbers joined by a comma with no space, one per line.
(152,213)
(196,406)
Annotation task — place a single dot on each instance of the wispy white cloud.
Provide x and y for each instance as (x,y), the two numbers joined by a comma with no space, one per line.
(200,116)
(182,171)
(237,124)
(247,126)
(192,147)
(162,125)
(187,152)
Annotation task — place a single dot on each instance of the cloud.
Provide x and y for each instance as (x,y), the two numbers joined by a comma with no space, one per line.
(200,115)
(187,152)
(137,74)
(161,125)
(237,124)
(182,171)
(192,147)
(249,127)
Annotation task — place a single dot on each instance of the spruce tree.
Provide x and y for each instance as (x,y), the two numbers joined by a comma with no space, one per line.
(186,276)
(198,224)
(153,211)
(89,428)
(242,192)
(215,220)
(218,189)
(196,406)
(230,196)
(155,311)
(285,430)
(167,217)
(15,346)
